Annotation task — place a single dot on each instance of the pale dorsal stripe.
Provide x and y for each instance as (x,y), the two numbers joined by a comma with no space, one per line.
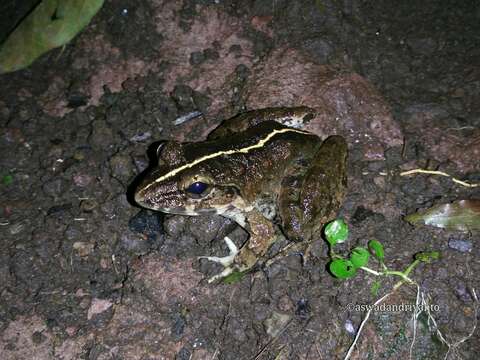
(244,150)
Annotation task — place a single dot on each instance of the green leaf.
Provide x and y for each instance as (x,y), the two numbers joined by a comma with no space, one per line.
(359,257)
(376,248)
(342,268)
(427,256)
(336,232)
(51,24)
(462,215)
(7,179)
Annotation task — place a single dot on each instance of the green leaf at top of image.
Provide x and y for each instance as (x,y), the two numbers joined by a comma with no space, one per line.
(336,232)
(342,268)
(376,248)
(51,24)
(359,257)
(462,215)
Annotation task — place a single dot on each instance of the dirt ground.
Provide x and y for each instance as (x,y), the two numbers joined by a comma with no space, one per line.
(87,274)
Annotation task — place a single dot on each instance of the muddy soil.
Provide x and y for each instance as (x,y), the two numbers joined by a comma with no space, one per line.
(87,274)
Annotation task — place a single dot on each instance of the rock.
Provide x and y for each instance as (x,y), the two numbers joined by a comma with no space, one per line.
(83,249)
(102,135)
(276,323)
(319,49)
(136,243)
(349,327)
(197,57)
(82,180)
(55,187)
(98,306)
(121,167)
(460,245)
(182,95)
(140,137)
(346,103)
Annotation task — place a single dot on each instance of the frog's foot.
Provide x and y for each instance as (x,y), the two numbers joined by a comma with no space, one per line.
(226,261)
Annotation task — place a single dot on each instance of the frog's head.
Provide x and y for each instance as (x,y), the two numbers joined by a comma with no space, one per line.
(186,183)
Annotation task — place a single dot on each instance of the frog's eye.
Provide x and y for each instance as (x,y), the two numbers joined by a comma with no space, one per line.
(198,188)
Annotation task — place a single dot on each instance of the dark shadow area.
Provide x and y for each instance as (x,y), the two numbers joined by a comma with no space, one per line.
(152,160)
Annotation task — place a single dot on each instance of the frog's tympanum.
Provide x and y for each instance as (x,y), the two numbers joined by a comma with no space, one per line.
(259,169)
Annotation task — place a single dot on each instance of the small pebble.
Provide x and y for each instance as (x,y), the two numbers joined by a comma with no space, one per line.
(83,248)
(349,327)
(460,245)
(187,117)
(141,136)
(82,180)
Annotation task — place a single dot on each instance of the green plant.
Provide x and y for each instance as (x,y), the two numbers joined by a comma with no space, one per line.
(345,267)
(7,179)
(341,267)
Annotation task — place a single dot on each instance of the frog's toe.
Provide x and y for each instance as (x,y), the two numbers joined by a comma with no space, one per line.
(226,261)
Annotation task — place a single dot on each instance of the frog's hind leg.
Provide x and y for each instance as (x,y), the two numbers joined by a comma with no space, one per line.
(312,193)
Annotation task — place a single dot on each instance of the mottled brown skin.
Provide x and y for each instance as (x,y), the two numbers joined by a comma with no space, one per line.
(290,185)
(285,116)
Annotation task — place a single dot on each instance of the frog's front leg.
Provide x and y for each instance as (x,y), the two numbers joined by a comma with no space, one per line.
(262,235)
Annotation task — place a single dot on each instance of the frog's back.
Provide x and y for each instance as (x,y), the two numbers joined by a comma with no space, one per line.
(294,117)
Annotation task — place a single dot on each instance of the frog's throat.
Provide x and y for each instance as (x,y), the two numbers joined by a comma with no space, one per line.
(243,150)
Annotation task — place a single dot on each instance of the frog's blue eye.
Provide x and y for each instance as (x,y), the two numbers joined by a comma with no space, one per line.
(197,188)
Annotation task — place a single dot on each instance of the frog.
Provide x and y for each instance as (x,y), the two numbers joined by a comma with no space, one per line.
(260,169)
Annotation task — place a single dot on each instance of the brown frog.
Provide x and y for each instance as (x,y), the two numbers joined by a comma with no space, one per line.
(259,169)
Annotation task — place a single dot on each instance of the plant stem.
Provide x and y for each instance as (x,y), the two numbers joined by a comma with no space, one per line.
(376,273)
(410,267)
(403,275)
